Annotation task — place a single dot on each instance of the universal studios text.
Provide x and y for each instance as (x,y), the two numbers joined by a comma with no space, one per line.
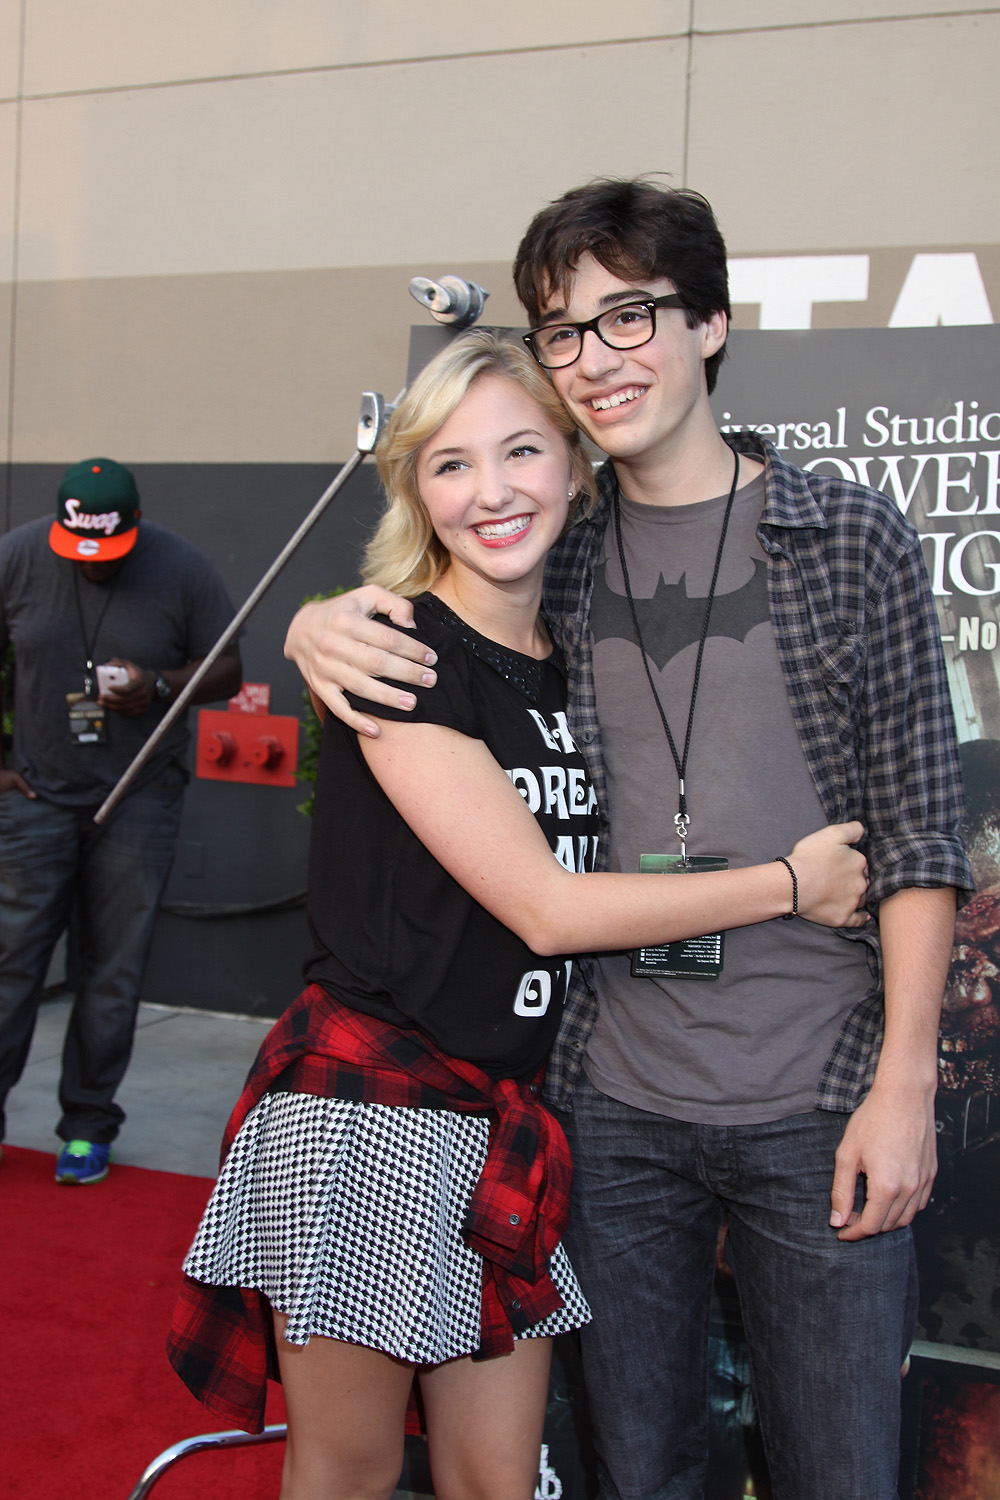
(942,470)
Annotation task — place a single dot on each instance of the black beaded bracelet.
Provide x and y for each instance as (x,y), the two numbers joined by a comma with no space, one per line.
(786,916)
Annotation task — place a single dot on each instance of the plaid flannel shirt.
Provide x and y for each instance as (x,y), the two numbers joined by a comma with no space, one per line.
(221,1342)
(860,649)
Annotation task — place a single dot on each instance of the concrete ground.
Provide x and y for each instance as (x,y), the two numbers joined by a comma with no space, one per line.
(186,1073)
(185,1076)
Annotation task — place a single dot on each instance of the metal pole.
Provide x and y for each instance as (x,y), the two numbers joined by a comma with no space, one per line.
(154,1472)
(373,416)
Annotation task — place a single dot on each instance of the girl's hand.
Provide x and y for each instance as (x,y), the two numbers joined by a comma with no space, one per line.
(832,877)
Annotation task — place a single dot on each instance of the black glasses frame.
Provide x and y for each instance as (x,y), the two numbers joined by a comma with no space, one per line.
(670,299)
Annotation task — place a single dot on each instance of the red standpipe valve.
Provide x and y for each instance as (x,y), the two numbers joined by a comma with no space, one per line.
(220,748)
(247,743)
(266,751)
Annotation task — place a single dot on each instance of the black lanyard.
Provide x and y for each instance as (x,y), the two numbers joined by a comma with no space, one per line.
(682,822)
(88,646)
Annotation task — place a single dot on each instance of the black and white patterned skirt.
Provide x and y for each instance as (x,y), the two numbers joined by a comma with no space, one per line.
(347,1217)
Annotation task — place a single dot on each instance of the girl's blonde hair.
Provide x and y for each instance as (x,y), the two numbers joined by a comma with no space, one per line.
(404,554)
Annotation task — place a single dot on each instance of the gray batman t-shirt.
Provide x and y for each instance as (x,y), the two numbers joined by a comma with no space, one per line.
(750,1045)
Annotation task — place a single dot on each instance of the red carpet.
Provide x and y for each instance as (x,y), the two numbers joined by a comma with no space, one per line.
(87,1399)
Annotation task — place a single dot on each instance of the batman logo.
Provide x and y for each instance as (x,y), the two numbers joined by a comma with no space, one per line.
(670,621)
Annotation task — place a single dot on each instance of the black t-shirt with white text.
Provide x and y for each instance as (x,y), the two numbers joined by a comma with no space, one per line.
(396,937)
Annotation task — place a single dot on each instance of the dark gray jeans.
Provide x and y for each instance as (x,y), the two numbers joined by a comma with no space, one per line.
(55,862)
(828,1323)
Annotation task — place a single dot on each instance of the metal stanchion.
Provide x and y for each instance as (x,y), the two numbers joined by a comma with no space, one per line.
(155,1471)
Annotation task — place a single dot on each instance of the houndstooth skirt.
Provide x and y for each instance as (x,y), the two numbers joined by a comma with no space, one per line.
(347,1217)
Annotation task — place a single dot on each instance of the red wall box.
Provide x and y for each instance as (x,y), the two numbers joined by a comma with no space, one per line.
(255,747)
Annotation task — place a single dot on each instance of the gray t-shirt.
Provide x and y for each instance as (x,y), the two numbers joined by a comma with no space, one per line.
(750,1045)
(165,606)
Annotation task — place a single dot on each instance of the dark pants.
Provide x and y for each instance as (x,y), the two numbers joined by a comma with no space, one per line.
(828,1323)
(55,862)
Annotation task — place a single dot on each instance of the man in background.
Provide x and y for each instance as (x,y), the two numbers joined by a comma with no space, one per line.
(108,618)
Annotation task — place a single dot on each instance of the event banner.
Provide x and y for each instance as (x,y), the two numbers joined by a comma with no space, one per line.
(915,412)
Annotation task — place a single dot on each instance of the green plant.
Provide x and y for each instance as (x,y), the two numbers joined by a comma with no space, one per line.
(312,727)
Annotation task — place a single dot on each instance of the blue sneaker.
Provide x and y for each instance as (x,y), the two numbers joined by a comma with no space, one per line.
(83,1161)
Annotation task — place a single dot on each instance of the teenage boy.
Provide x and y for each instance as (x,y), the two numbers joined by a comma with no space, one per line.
(753,650)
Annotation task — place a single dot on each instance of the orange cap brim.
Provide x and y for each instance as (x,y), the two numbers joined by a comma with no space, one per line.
(90,548)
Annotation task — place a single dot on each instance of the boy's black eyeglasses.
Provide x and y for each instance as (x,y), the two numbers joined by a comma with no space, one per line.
(623,327)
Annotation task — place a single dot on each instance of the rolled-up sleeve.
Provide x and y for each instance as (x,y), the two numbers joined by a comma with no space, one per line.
(913,804)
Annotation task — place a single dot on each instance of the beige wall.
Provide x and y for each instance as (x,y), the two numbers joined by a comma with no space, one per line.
(214,206)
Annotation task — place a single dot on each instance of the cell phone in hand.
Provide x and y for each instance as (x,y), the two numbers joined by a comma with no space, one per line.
(111,677)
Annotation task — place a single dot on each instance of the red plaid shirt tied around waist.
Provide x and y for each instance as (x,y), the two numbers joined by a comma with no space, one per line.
(221,1342)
